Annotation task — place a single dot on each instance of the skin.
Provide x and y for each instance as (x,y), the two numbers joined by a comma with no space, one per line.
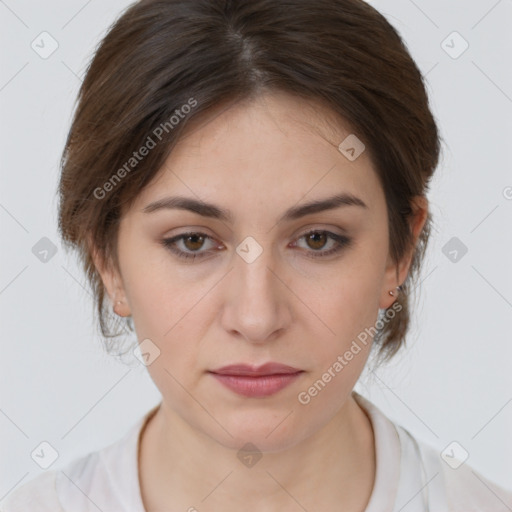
(257,159)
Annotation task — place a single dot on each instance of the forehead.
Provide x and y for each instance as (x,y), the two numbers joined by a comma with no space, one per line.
(270,151)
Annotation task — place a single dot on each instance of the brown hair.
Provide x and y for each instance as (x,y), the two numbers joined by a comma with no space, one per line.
(162,55)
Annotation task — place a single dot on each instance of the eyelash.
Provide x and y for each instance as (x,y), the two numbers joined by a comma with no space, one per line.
(341,240)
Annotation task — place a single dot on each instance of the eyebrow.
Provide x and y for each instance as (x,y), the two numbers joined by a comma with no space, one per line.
(215,212)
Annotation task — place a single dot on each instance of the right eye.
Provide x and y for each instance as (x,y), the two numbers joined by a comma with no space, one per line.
(190,242)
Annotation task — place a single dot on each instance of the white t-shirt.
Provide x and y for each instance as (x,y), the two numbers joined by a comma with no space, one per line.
(411,476)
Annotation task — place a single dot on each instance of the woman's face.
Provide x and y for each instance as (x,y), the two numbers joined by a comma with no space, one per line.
(260,284)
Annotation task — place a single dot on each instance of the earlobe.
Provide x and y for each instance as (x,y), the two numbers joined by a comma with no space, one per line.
(120,308)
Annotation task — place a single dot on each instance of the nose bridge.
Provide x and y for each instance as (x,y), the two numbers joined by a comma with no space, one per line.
(255,308)
(252,268)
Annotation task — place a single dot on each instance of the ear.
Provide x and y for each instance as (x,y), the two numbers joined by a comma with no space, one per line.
(397,273)
(111,280)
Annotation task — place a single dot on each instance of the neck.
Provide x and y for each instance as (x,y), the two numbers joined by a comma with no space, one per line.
(332,469)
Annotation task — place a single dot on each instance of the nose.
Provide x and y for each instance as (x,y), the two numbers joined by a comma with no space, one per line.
(256,299)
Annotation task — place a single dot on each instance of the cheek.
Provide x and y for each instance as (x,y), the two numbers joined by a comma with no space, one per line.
(152,291)
(326,389)
(344,301)
(162,310)
(347,311)
(169,311)
(148,302)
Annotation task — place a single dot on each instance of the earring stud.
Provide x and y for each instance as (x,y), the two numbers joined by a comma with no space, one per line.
(115,306)
(392,293)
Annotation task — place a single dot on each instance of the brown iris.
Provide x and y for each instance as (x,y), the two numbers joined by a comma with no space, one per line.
(319,239)
(197,242)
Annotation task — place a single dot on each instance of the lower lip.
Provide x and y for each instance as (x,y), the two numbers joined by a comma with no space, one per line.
(261,386)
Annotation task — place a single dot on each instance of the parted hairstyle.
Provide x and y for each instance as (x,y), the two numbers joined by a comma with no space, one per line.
(165,63)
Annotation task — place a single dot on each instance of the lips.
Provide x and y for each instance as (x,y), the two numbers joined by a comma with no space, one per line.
(256,381)
(256,371)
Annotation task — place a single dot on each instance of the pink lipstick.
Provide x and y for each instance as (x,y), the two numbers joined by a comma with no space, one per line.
(256,382)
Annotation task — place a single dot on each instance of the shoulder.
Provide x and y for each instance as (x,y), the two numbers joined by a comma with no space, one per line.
(425,477)
(85,480)
(468,490)
(37,495)
(82,482)
(463,489)
(51,491)
(106,479)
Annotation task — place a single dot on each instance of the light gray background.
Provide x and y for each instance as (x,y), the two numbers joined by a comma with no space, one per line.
(452,383)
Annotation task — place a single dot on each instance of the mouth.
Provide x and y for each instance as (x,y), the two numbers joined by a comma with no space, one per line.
(256,382)
(242,369)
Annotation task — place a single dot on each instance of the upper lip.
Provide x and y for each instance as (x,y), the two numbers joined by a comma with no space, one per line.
(265,369)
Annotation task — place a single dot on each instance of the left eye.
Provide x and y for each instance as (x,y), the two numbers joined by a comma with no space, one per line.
(318,239)
(193,241)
